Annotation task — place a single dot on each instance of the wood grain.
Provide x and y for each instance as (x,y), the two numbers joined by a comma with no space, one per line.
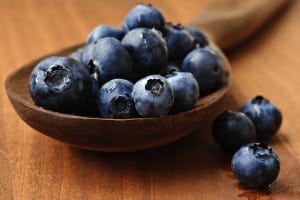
(232,21)
(33,166)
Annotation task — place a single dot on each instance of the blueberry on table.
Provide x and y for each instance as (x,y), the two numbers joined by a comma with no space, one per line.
(153,96)
(103,31)
(200,39)
(60,84)
(208,67)
(232,129)
(148,50)
(255,165)
(265,116)
(109,59)
(179,41)
(146,16)
(186,90)
(114,99)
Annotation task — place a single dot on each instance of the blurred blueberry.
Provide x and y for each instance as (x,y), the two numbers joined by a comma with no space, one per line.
(208,67)
(169,68)
(231,130)
(200,39)
(148,50)
(265,116)
(179,41)
(186,90)
(153,96)
(144,16)
(114,99)
(255,165)
(103,31)
(60,84)
(81,54)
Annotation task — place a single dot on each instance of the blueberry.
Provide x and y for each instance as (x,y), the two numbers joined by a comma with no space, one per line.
(108,59)
(255,165)
(60,84)
(153,96)
(208,67)
(114,99)
(169,68)
(265,116)
(232,129)
(186,90)
(77,54)
(148,49)
(146,16)
(102,31)
(179,41)
(81,54)
(200,39)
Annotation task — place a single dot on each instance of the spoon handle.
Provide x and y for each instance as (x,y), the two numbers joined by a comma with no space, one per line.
(229,22)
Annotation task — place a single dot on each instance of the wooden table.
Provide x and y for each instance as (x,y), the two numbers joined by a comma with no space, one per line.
(33,166)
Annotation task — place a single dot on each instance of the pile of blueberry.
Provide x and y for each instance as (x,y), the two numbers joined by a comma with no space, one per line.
(242,132)
(146,68)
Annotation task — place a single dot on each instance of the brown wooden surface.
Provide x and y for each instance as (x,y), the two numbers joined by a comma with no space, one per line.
(33,166)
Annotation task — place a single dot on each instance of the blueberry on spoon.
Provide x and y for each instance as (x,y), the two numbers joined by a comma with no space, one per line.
(60,84)
(114,99)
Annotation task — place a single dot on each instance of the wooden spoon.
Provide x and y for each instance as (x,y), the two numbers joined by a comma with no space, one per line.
(230,22)
(120,135)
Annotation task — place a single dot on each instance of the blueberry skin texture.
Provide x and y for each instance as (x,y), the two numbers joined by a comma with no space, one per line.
(60,84)
(208,67)
(143,15)
(232,129)
(103,31)
(148,49)
(114,99)
(200,39)
(153,96)
(255,165)
(186,90)
(265,116)
(109,59)
(179,41)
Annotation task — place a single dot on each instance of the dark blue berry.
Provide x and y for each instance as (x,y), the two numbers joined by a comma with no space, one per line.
(231,130)
(153,96)
(60,84)
(179,41)
(114,99)
(255,165)
(108,59)
(103,31)
(146,16)
(208,67)
(148,50)
(200,39)
(265,116)
(186,90)
(82,55)
(169,68)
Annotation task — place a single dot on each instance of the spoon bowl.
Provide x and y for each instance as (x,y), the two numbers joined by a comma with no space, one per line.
(110,135)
